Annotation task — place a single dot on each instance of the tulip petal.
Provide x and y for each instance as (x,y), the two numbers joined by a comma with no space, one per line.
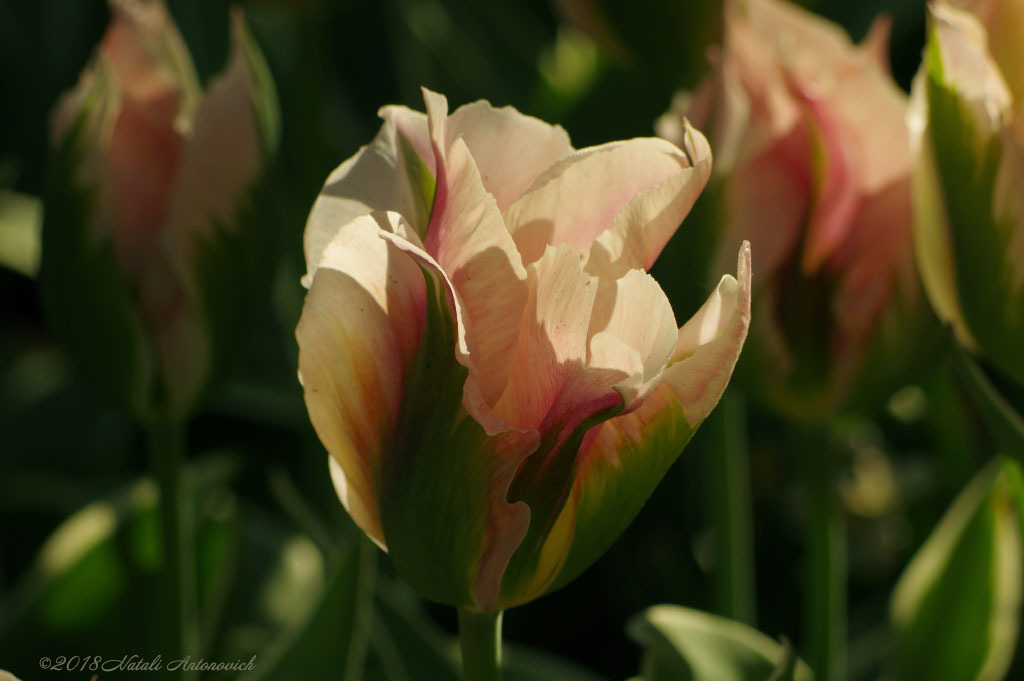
(551,389)
(223,156)
(389,174)
(632,330)
(510,149)
(641,230)
(468,239)
(624,458)
(452,435)
(580,197)
(360,329)
(967,133)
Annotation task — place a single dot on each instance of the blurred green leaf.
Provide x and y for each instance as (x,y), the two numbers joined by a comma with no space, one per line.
(1002,419)
(21,223)
(330,642)
(406,645)
(681,644)
(526,664)
(956,609)
(100,569)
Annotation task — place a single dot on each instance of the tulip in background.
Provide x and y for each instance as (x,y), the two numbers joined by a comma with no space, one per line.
(968,124)
(813,168)
(152,252)
(499,383)
(156,255)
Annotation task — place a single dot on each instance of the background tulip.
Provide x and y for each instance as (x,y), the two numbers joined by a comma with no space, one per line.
(499,383)
(152,255)
(969,140)
(813,168)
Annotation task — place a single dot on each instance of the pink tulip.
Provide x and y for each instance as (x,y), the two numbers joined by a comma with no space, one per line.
(498,381)
(166,169)
(813,153)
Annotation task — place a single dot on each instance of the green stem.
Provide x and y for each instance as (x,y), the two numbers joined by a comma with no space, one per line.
(826,565)
(728,463)
(480,641)
(167,446)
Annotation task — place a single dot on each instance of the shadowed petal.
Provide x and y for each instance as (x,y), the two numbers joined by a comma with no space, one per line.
(360,329)
(624,458)
(468,239)
(389,174)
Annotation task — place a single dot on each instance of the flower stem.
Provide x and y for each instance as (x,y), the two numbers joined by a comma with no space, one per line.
(728,462)
(167,446)
(480,641)
(826,565)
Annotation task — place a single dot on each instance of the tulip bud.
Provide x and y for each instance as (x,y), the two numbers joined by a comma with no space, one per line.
(812,167)
(152,256)
(499,383)
(969,143)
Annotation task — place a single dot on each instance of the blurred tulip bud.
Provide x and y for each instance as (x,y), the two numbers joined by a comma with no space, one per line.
(152,253)
(966,116)
(7,676)
(499,383)
(813,168)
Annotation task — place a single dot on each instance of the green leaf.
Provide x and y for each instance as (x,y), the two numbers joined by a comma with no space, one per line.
(528,664)
(330,642)
(956,609)
(87,302)
(406,645)
(101,570)
(681,644)
(1003,420)
(21,221)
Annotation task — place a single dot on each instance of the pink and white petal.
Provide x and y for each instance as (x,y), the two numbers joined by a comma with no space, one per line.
(807,41)
(468,239)
(641,230)
(767,200)
(837,193)
(623,459)
(148,56)
(374,179)
(552,340)
(412,125)
(360,329)
(579,197)
(710,343)
(223,156)
(872,110)
(875,46)
(509,148)
(633,330)
(143,158)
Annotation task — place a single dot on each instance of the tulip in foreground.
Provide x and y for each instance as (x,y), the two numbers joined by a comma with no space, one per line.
(151,252)
(968,124)
(498,381)
(813,163)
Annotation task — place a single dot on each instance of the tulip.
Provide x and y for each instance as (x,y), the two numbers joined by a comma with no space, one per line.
(7,676)
(498,382)
(968,123)
(150,254)
(812,167)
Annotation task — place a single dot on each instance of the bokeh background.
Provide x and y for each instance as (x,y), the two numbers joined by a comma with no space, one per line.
(280,564)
